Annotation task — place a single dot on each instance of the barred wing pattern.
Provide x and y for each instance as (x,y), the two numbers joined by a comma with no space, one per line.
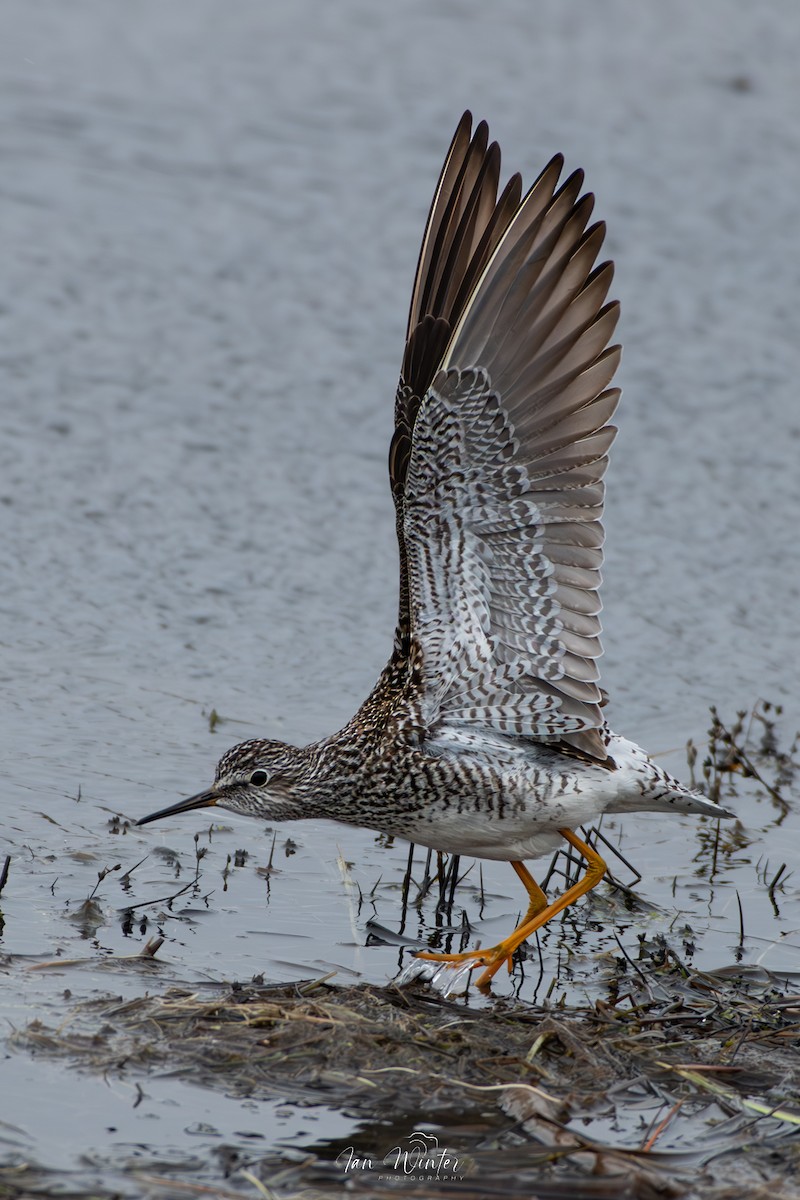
(498,470)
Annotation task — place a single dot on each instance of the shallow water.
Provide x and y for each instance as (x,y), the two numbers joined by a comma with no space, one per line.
(209,230)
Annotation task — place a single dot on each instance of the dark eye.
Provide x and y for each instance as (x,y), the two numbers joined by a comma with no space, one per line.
(259,778)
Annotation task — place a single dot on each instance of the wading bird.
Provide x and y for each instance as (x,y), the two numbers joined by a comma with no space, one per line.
(485,734)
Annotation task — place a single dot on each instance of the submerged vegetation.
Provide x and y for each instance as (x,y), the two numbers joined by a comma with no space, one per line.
(747,747)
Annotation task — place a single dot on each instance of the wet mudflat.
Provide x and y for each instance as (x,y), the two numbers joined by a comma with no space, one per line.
(209,225)
(689,1086)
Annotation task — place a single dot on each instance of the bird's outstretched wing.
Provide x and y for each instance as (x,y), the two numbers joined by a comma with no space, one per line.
(499,453)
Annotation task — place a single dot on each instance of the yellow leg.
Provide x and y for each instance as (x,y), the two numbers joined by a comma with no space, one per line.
(537,898)
(539,912)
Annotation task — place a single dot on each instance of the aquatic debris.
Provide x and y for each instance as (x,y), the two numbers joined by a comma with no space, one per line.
(681,1082)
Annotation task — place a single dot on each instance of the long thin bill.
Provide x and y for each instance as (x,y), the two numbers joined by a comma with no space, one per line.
(201,800)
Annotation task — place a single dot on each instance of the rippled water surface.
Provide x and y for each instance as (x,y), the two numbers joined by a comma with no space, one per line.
(210,221)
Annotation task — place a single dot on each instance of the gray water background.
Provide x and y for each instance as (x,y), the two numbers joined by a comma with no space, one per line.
(210,216)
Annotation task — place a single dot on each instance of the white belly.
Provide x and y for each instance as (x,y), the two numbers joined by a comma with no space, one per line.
(524,793)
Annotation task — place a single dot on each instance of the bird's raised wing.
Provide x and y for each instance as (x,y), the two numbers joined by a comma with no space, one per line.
(499,453)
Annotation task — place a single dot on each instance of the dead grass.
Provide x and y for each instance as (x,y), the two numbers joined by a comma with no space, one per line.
(698,1074)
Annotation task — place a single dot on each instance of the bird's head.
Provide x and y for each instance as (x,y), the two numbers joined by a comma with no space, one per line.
(258,779)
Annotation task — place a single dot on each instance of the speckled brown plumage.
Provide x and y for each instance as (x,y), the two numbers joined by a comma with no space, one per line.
(484,734)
